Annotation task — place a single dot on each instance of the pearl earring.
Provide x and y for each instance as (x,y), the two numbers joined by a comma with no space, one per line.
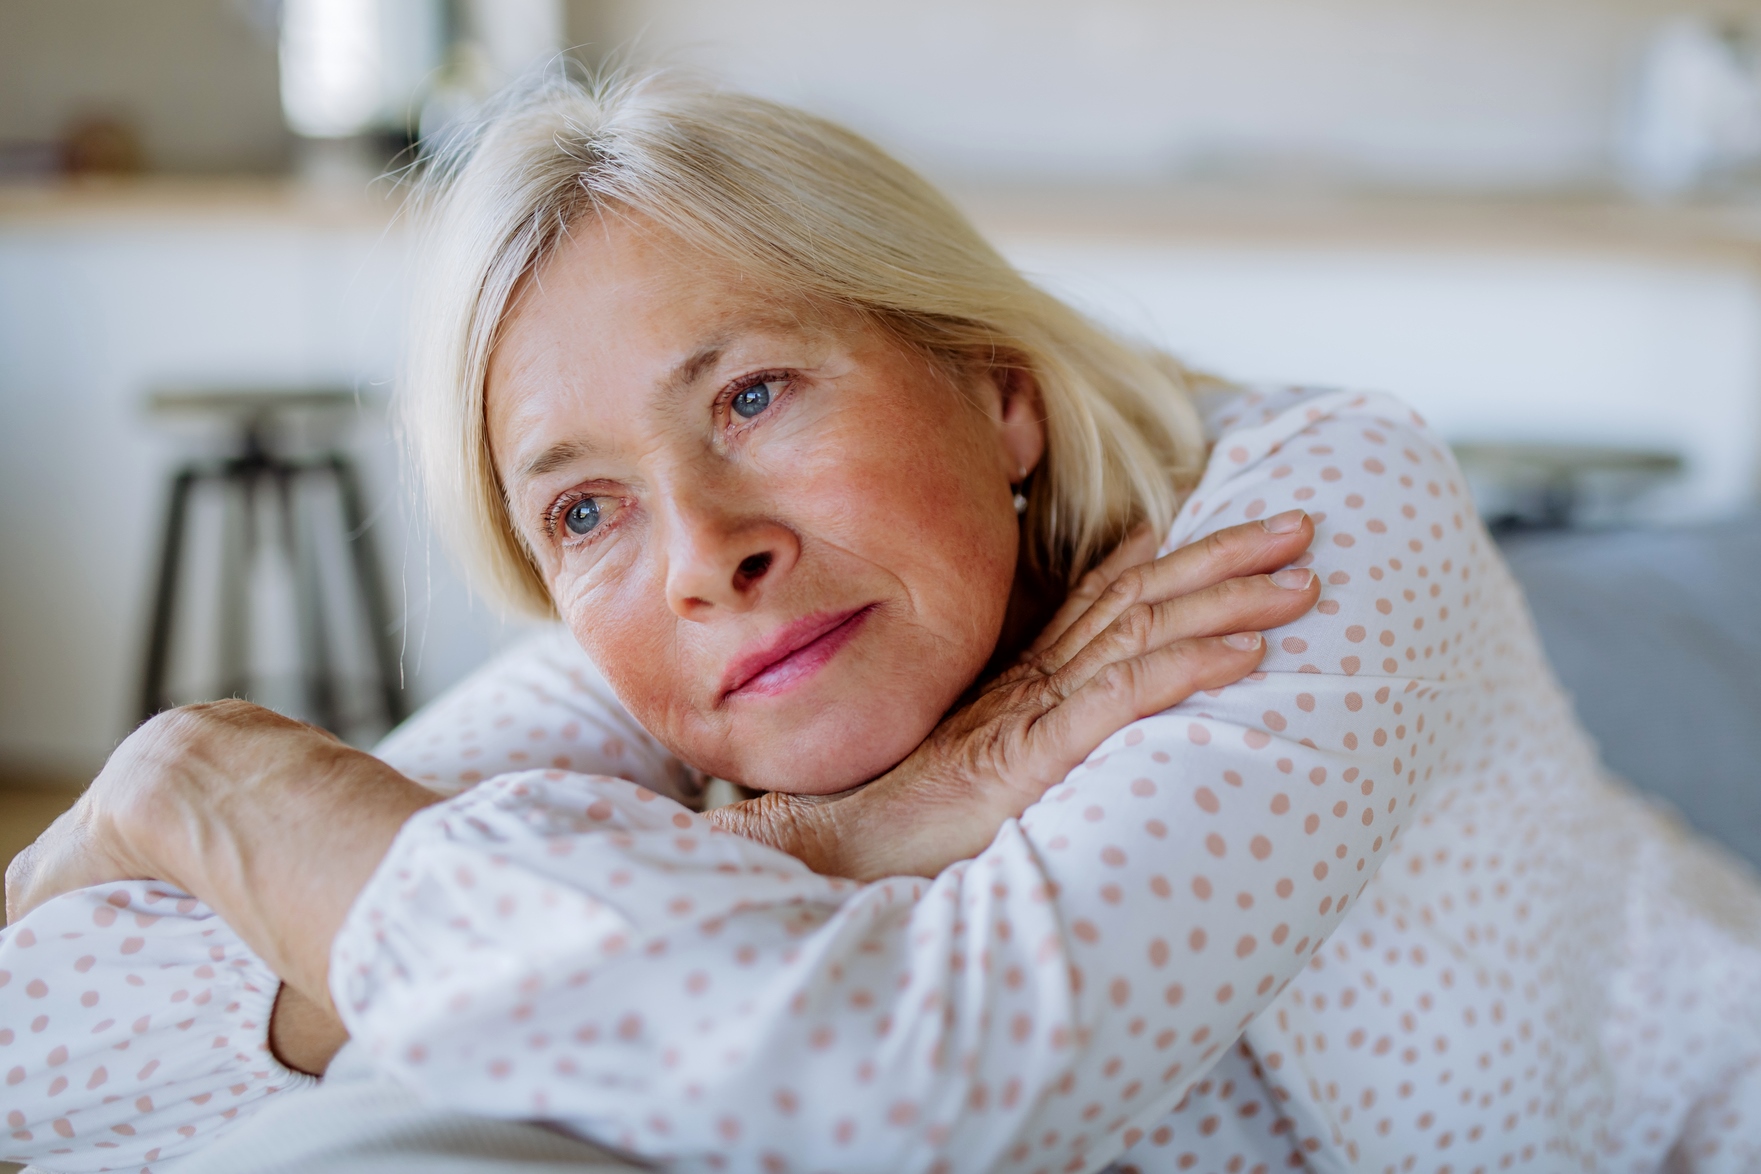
(1020,498)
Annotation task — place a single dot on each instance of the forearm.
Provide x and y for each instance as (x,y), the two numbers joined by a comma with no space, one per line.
(276,829)
(1077,951)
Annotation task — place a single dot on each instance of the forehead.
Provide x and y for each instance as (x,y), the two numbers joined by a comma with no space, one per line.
(624,315)
(620,291)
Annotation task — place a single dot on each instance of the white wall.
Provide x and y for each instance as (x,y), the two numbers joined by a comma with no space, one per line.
(1517,344)
(196,77)
(1463,93)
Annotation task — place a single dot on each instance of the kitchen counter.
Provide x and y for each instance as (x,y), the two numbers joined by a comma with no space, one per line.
(1163,214)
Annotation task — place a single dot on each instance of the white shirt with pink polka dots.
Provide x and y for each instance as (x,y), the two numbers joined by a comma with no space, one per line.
(1375,908)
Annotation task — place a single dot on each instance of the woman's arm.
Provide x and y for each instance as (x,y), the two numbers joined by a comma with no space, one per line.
(1043,1003)
(541,703)
(427,922)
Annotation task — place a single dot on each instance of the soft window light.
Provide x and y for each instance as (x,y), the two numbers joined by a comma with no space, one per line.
(350,67)
(331,66)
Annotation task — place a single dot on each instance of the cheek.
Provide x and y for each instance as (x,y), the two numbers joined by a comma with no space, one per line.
(919,499)
(623,624)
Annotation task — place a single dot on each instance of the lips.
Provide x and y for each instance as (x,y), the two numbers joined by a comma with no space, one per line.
(793,653)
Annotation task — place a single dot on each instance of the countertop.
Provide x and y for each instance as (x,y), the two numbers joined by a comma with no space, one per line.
(1184,214)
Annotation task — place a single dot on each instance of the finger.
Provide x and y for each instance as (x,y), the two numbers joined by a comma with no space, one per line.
(1127,690)
(1139,547)
(1249,549)
(1247,604)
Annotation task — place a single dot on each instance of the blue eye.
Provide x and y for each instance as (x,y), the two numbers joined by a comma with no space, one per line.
(582,516)
(753,400)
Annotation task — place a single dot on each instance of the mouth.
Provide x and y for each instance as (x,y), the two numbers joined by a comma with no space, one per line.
(793,654)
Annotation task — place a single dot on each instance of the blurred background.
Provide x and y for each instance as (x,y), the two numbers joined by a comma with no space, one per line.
(1539,221)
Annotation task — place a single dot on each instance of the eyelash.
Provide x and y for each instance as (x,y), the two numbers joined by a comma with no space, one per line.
(723,402)
(563,505)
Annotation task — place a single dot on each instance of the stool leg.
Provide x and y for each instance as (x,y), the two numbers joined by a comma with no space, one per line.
(165,595)
(366,561)
(302,562)
(238,547)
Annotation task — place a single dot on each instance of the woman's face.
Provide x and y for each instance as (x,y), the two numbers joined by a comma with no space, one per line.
(785,539)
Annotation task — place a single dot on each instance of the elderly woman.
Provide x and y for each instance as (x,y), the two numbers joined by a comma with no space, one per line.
(837,506)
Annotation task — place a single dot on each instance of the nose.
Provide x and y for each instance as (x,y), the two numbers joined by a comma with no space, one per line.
(722,556)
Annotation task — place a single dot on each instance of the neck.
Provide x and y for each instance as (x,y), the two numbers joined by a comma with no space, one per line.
(1033,599)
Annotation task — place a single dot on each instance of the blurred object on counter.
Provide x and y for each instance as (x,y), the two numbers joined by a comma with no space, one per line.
(361,78)
(1561,487)
(352,72)
(93,144)
(1694,118)
(284,477)
(102,146)
(353,66)
(494,41)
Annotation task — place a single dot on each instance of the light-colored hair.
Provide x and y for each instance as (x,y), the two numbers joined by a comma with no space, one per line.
(810,210)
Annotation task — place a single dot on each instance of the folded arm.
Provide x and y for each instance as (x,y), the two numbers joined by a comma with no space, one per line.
(1043,1003)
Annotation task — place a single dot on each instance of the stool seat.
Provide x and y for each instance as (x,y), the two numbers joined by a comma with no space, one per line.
(251,402)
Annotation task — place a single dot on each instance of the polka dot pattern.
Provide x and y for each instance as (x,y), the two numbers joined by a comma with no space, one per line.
(115,1055)
(1374,908)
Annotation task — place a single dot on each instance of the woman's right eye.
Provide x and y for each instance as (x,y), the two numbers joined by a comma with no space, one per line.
(583,516)
(754,399)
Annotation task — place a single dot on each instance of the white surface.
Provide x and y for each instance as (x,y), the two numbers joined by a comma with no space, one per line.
(1467,93)
(1531,346)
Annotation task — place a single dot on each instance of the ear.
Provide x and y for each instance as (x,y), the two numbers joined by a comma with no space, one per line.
(1021,421)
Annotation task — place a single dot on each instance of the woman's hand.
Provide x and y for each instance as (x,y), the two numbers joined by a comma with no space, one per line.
(1134,637)
(274,824)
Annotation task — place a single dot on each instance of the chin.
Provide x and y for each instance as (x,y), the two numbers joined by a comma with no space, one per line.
(840,747)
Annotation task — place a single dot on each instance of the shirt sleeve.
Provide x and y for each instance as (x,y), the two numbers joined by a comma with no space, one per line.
(540,704)
(134,1023)
(577,949)
(133,1028)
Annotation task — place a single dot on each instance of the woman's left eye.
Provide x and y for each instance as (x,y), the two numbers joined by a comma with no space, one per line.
(583,516)
(754,399)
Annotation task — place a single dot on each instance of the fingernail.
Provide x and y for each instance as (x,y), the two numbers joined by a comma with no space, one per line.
(1245,641)
(1293,578)
(1285,522)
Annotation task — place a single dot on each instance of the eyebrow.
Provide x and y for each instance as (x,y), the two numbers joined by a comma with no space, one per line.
(554,458)
(684,373)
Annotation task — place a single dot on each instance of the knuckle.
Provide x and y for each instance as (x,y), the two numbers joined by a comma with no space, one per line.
(1125,588)
(1220,544)
(1136,624)
(1184,660)
(1118,679)
(1245,588)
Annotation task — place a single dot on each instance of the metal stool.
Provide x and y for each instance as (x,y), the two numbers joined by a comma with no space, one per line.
(254,475)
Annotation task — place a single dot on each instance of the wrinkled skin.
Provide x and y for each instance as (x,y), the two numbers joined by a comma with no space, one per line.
(868,480)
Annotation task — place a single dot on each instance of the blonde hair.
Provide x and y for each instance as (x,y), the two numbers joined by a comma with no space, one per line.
(813,211)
